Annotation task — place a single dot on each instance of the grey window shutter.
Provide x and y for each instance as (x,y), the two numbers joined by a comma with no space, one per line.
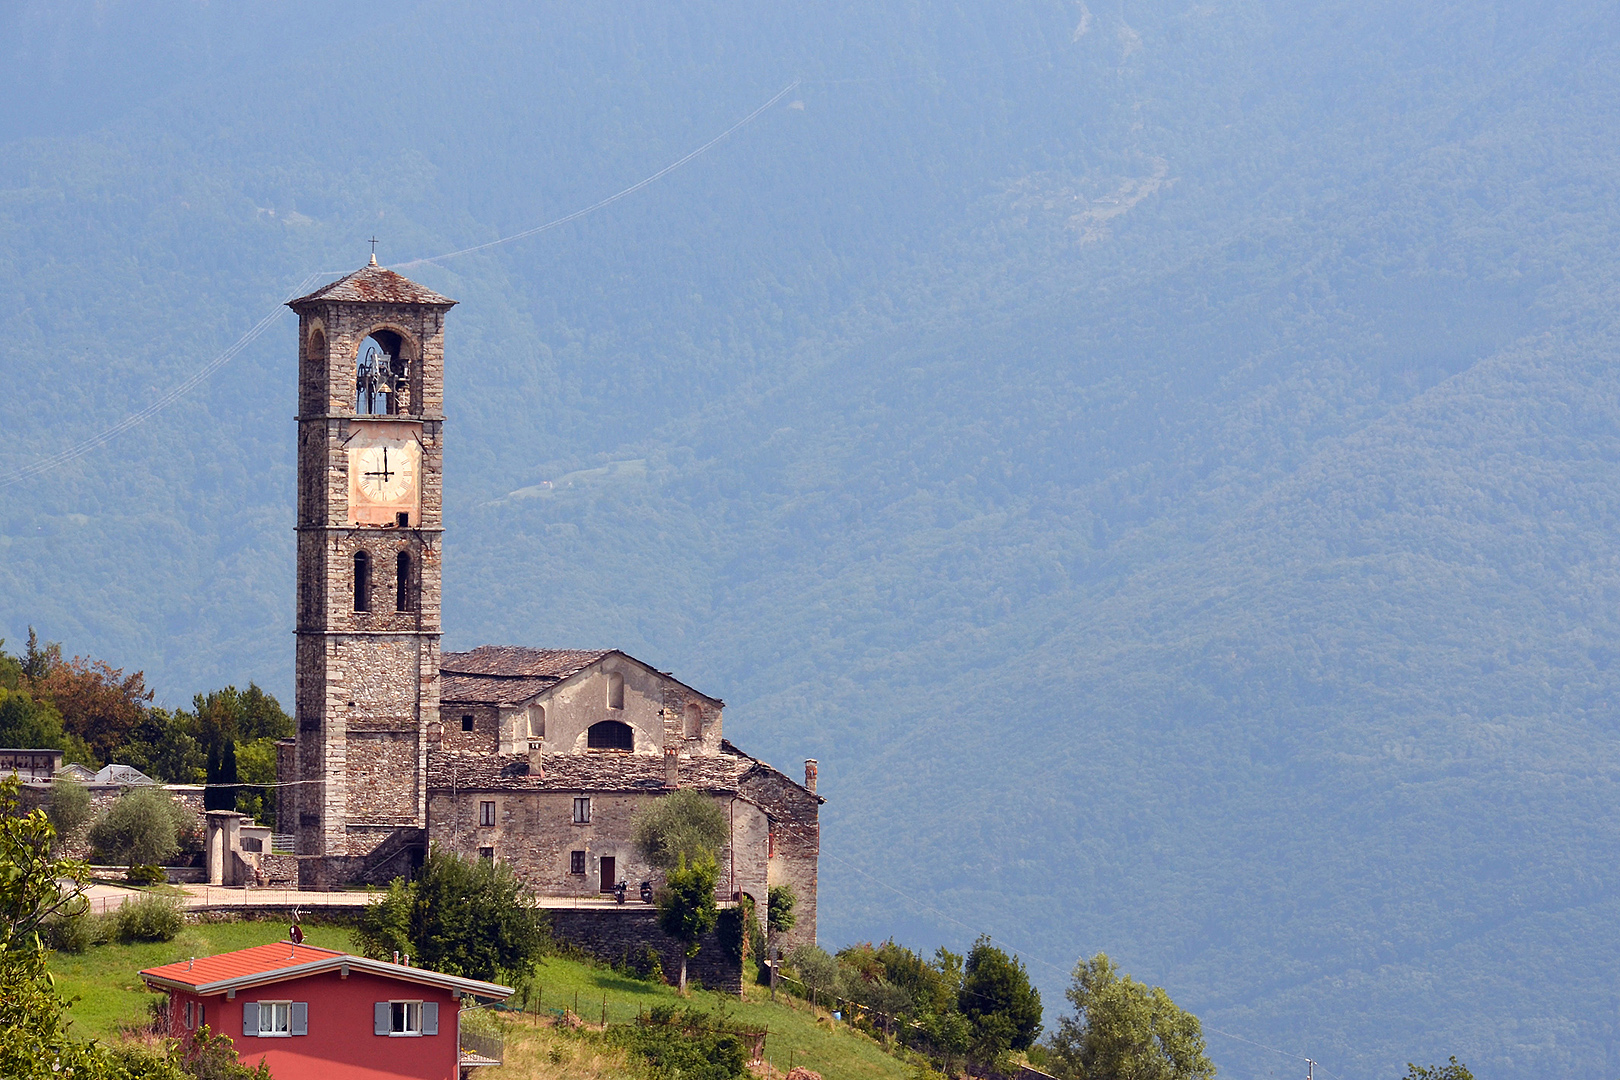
(430,1017)
(250,1018)
(379,1018)
(300,1018)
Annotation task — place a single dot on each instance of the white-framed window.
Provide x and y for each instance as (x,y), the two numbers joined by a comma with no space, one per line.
(486,813)
(582,810)
(275,1018)
(404,1018)
(194,1015)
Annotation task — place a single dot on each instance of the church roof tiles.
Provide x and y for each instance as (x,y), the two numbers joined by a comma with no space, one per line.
(508,674)
(374,285)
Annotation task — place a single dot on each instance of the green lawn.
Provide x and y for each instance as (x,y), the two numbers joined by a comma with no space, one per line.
(110,992)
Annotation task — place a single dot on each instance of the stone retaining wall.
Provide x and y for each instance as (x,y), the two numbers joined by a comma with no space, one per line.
(611,934)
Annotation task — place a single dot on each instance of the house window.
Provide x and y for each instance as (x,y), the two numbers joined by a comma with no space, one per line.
(194,1015)
(537,721)
(582,811)
(362,581)
(615,690)
(486,813)
(486,854)
(275,1018)
(576,862)
(466,722)
(694,722)
(405,1018)
(610,735)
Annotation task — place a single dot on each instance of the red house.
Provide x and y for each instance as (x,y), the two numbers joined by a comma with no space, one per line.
(315,1014)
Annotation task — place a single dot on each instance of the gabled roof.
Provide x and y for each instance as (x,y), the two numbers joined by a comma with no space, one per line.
(122,774)
(265,964)
(509,674)
(374,285)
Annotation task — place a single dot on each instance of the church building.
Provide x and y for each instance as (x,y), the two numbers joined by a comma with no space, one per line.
(535,757)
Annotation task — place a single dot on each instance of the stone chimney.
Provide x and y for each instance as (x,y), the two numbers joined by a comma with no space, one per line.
(672,766)
(536,766)
(810,775)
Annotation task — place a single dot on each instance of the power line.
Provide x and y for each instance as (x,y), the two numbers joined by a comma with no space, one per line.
(81,448)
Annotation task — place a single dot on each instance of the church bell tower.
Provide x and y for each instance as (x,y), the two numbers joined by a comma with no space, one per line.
(370,529)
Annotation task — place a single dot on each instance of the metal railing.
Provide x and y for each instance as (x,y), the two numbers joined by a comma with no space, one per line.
(483,1046)
(283,844)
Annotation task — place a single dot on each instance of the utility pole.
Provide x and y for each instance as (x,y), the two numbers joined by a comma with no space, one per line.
(1310,1069)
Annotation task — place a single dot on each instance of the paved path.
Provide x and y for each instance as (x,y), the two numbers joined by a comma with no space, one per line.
(105,898)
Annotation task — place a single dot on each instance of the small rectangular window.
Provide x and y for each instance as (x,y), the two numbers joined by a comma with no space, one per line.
(487,854)
(275,1018)
(576,862)
(486,813)
(466,722)
(582,811)
(404,1018)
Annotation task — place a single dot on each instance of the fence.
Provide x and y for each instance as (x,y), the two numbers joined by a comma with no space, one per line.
(282,844)
(484,1047)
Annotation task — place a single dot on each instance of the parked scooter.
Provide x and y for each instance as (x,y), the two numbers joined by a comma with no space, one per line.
(646,892)
(619,891)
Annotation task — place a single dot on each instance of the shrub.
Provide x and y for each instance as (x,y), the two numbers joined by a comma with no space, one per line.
(147,874)
(644,964)
(689,1045)
(150,918)
(69,934)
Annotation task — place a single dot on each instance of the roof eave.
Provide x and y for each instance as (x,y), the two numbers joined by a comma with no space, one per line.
(316,967)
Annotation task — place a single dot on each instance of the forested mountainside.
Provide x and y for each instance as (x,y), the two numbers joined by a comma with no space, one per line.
(1161,458)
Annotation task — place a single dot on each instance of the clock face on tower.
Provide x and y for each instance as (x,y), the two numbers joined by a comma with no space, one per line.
(383,482)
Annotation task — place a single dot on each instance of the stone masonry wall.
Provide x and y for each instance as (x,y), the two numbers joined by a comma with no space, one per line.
(611,934)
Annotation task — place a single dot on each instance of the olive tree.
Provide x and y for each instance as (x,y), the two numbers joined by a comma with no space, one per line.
(686,908)
(143,826)
(683,825)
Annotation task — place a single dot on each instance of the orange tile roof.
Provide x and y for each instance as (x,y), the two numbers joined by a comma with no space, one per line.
(259,960)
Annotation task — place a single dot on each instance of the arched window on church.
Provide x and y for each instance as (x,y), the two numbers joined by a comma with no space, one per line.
(362,581)
(382,379)
(694,722)
(537,721)
(402,583)
(615,690)
(610,735)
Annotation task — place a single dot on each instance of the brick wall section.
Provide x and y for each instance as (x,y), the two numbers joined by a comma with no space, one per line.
(609,934)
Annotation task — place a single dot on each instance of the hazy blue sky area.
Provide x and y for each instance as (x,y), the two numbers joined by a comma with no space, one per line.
(1162,459)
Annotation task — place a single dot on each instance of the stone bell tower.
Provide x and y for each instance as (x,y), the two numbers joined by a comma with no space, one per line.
(370,528)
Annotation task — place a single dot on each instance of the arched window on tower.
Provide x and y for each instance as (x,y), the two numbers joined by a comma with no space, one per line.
(403,593)
(615,690)
(694,722)
(362,581)
(382,376)
(610,735)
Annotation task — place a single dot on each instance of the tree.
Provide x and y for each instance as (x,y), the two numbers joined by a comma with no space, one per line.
(816,969)
(779,903)
(462,917)
(685,825)
(33,888)
(1124,1029)
(144,826)
(98,702)
(27,722)
(1452,1071)
(163,745)
(686,909)
(68,806)
(1000,1003)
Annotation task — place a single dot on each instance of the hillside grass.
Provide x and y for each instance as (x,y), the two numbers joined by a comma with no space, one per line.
(109,993)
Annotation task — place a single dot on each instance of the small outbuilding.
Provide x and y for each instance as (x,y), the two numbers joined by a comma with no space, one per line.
(315,1014)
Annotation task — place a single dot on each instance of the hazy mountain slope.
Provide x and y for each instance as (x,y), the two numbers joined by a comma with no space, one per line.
(1164,472)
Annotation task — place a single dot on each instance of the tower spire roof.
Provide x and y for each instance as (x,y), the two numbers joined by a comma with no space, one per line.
(373,284)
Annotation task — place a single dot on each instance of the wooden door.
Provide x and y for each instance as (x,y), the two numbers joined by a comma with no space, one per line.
(609,873)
